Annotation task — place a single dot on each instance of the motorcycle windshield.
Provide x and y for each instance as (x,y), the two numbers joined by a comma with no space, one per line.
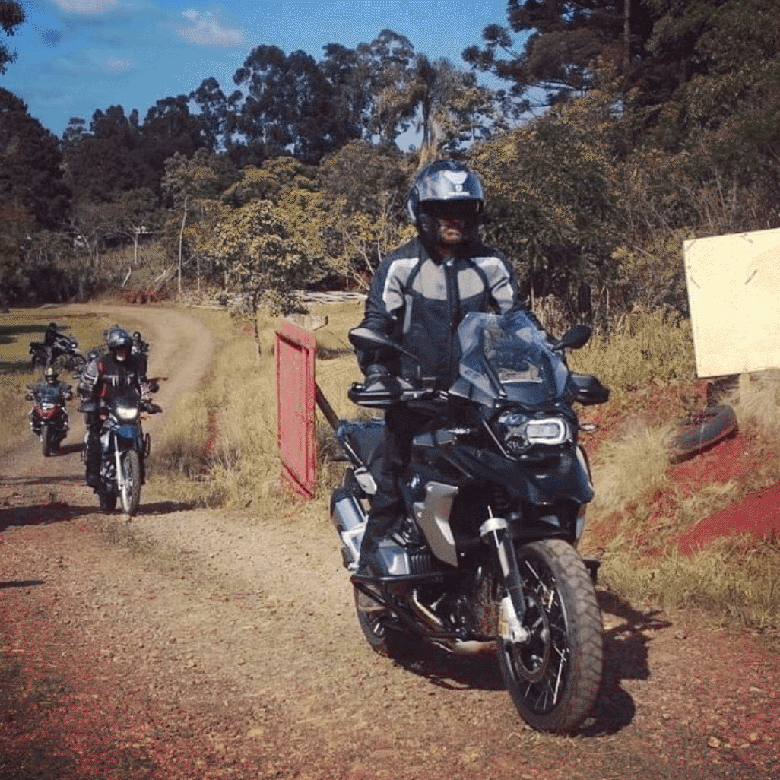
(507,356)
(47,394)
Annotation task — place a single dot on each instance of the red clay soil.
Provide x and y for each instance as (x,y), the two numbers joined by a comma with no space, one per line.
(756,514)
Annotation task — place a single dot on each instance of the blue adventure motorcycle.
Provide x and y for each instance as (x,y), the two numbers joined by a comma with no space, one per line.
(485,558)
(124,449)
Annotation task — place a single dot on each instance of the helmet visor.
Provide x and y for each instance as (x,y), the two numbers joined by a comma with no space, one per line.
(451,209)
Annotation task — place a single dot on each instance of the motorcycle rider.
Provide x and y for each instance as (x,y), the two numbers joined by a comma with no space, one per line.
(140,351)
(53,340)
(50,379)
(419,294)
(114,370)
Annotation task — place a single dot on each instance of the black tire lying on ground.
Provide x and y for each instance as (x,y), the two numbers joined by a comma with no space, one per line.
(702,430)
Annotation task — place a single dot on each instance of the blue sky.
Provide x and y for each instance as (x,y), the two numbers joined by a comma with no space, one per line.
(76,56)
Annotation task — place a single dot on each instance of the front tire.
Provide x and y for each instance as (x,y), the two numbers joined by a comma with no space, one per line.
(554,678)
(130,492)
(47,440)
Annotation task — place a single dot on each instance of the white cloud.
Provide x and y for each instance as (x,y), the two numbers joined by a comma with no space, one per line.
(205,29)
(87,7)
(116,65)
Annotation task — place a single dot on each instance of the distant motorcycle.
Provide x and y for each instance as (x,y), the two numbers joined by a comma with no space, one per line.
(124,448)
(64,353)
(49,416)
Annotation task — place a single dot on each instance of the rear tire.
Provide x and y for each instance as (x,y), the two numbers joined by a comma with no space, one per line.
(554,678)
(382,635)
(130,493)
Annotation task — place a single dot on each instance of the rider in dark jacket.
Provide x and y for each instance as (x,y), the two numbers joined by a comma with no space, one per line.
(56,343)
(105,374)
(418,297)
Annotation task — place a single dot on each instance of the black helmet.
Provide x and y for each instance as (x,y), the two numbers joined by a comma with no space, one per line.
(52,326)
(444,181)
(116,338)
(50,375)
(137,335)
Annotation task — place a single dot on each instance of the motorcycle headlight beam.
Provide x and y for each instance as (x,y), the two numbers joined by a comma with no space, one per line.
(126,413)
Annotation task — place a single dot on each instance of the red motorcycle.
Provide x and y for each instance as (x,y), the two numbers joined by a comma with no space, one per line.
(49,416)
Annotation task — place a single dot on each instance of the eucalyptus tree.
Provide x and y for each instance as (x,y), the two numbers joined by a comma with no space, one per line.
(285,104)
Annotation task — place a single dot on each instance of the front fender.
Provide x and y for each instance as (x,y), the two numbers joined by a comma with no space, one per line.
(129,437)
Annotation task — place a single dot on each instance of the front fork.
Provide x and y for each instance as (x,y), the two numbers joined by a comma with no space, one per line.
(497,534)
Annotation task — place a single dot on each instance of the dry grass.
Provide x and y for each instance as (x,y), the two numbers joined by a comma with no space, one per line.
(734,580)
(219,446)
(640,349)
(631,467)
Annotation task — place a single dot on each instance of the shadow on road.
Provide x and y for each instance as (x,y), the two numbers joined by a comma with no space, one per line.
(20,584)
(454,672)
(166,507)
(626,657)
(42,480)
(69,449)
(41,514)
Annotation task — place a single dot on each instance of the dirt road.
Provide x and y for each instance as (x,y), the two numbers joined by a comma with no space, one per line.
(208,644)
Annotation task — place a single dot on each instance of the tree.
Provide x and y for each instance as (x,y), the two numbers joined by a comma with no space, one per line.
(551,188)
(11,16)
(560,44)
(261,255)
(366,189)
(107,160)
(393,85)
(31,174)
(286,105)
(213,115)
(170,129)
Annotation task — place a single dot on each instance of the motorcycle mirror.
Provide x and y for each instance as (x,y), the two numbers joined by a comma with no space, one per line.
(575,338)
(363,338)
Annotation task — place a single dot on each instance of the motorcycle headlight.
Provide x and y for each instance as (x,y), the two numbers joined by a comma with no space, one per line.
(518,432)
(126,413)
(47,407)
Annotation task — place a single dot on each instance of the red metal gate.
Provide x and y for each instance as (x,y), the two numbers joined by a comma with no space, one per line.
(295,399)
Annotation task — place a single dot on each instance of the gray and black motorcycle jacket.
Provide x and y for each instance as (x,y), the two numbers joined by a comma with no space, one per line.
(419,302)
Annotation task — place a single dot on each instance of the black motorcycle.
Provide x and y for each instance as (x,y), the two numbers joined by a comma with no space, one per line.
(49,416)
(64,353)
(485,558)
(124,449)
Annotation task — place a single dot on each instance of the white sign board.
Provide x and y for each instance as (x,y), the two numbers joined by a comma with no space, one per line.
(734,293)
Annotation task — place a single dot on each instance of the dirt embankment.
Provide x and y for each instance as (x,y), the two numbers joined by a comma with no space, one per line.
(208,644)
